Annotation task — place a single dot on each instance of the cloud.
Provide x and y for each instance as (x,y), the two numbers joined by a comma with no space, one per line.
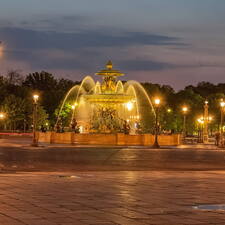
(82,50)
(143,56)
(30,39)
(66,23)
(140,65)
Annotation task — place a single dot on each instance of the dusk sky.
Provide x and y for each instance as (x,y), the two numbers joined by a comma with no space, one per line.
(175,42)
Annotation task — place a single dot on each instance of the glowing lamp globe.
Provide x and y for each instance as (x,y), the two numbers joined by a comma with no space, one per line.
(157,101)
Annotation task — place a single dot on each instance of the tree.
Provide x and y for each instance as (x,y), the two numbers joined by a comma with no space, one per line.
(51,90)
(14,77)
(17,111)
(42,117)
(40,81)
(65,114)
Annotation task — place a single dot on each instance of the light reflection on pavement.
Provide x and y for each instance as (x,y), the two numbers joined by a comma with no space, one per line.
(111,198)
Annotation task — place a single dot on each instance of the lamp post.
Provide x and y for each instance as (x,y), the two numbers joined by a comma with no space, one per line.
(201,123)
(2,117)
(206,121)
(209,127)
(35,102)
(222,105)
(157,103)
(184,110)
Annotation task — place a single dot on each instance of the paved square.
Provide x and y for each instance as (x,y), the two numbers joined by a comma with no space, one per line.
(107,198)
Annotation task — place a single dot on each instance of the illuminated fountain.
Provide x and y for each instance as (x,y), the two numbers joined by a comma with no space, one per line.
(107,107)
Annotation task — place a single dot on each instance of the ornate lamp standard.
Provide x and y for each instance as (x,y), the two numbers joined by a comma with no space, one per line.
(222,106)
(157,103)
(184,111)
(35,102)
(206,121)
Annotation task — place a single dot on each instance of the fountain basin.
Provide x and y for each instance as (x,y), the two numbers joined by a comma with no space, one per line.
(118,139)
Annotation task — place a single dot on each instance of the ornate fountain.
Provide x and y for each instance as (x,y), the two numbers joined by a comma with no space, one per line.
(111,106)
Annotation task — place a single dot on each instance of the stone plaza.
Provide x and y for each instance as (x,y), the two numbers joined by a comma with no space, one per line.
(92,185)
(110,198)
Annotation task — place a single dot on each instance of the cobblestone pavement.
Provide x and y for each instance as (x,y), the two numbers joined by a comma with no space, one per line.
(16,154)
(108,198)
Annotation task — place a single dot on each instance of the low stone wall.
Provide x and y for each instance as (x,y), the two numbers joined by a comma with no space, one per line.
(107,139)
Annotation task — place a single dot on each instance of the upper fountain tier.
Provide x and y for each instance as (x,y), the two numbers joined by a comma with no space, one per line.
(110,91)
(109,71)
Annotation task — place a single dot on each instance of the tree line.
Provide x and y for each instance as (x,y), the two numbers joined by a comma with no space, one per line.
(16,98)
(16,101)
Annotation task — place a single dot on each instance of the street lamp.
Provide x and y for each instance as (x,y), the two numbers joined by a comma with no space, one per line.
(184,110)
(2,116)
(222,106)
(35,102)
(35,98)
(201,123)
(157,103)
(206,121)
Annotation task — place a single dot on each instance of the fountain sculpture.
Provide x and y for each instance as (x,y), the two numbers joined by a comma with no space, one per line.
(111,106)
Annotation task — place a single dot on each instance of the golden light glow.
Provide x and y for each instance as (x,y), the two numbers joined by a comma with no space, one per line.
(169,110)
(184,109)
(129,106)
(135,117)
(2,116)
(74,105)
(35,97)
(222,104)
(157,101)
(200,120)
